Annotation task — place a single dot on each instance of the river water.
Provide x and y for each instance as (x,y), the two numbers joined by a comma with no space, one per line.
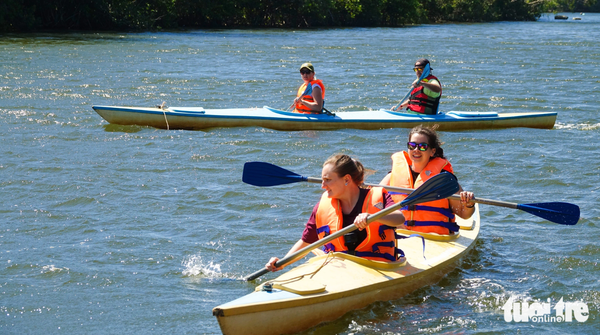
(123,229)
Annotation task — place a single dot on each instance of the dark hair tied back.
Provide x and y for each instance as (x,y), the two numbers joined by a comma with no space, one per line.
(344,164)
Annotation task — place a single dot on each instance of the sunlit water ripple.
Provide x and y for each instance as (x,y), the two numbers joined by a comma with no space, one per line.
(110,229)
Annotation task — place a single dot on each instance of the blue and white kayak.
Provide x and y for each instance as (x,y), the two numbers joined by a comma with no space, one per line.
(194,118)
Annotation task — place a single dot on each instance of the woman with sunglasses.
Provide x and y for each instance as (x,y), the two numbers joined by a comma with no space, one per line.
(424,159)
(426,94)
(311,95)
(345,203)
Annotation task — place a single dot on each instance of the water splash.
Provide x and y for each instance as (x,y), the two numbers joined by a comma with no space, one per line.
(195,266)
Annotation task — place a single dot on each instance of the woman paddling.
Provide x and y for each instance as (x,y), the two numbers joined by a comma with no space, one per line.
(311,94)
(424,159)
(426,94)
(344,203)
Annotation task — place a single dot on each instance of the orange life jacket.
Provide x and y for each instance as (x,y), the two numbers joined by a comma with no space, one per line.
(422,103)
(428,217)
(380,244)
(305,91)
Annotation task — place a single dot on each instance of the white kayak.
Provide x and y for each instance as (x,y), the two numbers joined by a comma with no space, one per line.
(194,118)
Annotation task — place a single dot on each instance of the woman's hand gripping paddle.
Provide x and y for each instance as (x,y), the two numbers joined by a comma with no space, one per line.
(437,187)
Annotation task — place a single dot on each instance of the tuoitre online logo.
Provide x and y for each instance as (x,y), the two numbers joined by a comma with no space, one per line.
(542,311)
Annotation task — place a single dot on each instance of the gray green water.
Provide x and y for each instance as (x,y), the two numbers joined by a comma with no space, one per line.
(122,229)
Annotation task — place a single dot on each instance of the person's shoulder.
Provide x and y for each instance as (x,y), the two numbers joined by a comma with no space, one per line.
(448,166)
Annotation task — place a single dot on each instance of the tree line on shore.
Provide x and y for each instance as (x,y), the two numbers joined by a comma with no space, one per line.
(35,15)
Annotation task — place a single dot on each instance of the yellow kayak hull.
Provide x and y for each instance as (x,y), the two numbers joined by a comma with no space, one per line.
(328,286)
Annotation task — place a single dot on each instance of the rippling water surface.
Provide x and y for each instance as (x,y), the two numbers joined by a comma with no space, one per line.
(109,229)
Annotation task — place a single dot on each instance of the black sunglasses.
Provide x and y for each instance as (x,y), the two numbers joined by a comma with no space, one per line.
(305,71)
(422,146)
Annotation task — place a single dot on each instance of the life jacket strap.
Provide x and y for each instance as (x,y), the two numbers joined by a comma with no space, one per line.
(324,229)
(329,247)
(444,211)
(452,226)
(389,244)
(382,230)
(423,102)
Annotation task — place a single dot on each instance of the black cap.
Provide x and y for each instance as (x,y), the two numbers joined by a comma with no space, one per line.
(422,62)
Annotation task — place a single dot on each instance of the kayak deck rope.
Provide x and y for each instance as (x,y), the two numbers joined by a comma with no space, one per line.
(162,108)
(268,286)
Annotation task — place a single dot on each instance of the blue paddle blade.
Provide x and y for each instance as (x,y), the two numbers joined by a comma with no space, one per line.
(558,212)
(437,187)
(267,174)
(426,72)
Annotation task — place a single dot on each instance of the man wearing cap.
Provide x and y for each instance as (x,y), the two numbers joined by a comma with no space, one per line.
(311,94)
(426,94)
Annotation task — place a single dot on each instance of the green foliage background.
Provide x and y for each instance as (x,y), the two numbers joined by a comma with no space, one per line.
(32,15)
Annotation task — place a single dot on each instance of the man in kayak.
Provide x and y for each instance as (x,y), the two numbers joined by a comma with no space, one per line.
(424,159)
(311,94)
(425,95)
(344,203)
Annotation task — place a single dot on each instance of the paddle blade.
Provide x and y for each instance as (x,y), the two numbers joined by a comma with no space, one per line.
(558,212)
(426,71)
(267,174)
(437,187)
